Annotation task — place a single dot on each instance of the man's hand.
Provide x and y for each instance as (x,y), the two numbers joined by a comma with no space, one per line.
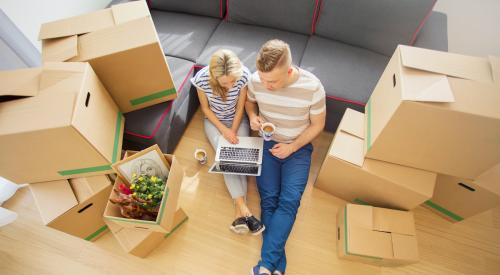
(255,123)
(282,150)
(230,136)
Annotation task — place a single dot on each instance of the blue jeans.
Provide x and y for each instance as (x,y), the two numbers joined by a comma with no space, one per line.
(281,184)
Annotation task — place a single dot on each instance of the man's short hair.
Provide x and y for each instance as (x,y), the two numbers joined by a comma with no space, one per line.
(274,53)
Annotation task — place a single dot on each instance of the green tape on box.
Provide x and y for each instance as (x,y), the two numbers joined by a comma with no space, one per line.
(144,99)
(443,210)
(175,228)
(346,248)
(360,201)
(369,125)
(116,152)
(97,233)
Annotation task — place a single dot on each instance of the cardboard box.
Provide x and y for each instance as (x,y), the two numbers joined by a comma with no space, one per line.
(376,236)
(122,46)
(346,174)
(457,199)
(139,242)
(74,206)
(168,206)
(436,111)
(65,126)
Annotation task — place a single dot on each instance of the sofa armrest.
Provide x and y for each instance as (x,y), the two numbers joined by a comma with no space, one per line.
(434,34)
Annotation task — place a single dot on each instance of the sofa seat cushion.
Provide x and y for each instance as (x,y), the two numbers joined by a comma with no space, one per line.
(145,123)
(246,40)
(183,35)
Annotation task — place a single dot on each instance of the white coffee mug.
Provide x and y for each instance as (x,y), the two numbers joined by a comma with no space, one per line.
(200,155)
(267,130)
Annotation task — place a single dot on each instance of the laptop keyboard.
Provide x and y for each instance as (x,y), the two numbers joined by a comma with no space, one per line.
(239,154)
(237,168)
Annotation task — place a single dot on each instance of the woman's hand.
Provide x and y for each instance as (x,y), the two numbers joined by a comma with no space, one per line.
(230,136)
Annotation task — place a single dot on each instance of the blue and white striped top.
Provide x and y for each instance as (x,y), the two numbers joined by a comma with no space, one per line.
(224,110)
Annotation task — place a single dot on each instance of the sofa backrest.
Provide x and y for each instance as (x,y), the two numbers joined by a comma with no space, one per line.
(289,15)
(377,25)
(212,8)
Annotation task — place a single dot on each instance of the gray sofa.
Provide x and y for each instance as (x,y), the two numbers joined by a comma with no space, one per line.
(346,43)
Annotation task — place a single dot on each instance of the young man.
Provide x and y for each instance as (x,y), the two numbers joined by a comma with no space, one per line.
(294,101)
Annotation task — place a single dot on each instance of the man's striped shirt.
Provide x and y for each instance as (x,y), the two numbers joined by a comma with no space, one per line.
(289,108)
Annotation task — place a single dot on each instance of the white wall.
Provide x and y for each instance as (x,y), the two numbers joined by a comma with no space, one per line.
(473,26)
(28,15)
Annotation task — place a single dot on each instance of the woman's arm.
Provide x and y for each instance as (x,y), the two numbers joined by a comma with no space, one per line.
(226,132)
(240,109)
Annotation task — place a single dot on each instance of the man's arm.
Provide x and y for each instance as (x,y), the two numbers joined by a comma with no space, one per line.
(253,117)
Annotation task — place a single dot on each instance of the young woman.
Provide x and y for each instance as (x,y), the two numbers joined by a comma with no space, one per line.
(222,90)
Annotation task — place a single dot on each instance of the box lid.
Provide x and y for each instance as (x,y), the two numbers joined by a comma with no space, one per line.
(369,243)
(58,84)
(490,179)
(53,198)
(23,82)
(349,140)
(84,188)
(94,21)
(426,73)
(405,247)
(393,221)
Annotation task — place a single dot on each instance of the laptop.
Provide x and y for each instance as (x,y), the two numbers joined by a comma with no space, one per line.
(244,158)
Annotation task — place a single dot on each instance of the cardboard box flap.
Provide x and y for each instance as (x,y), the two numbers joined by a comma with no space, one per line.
(405,247)
(490,179)
(60,49)
(456,65)
(353,122)
(23,82)
(348,148)
(421,86)
(86,187)
(359,216)
(53,198)
(129,11)
(77,25)
(368,243)
(59,73)
(495,68)
(394,221)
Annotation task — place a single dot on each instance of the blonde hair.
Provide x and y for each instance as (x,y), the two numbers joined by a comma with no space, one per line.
(223,63)
(274,53)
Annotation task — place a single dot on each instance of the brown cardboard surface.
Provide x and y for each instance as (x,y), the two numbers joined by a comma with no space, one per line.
(394,221)
(141,242)
(122,46)
(457,198)
(495,68)
(60,208)
(59,122)
(165,220)
(456,137)
(370,181)
(22,82)
(370,245)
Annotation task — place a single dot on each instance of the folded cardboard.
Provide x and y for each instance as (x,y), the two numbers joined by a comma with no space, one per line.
(122,46)
(457,199)
(57,122)
(74,206)
(169,204)
(346,174)
(376,236)
(436,111)
(140,242)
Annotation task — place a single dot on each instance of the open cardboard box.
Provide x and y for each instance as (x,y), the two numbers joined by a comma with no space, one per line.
(168,206)
(57,122)
(345,173)
(74,206)
(436,111)
(457,199)
(376,236)
(122,46)
(140,242)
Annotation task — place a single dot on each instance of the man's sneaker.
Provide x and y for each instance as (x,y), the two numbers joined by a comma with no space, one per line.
(239,226)
(255,271)
(255,226)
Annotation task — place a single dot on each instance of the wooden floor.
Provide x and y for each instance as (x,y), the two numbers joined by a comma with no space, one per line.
(204,245)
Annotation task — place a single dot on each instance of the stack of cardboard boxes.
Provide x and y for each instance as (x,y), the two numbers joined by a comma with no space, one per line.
(61,125)
(430,135)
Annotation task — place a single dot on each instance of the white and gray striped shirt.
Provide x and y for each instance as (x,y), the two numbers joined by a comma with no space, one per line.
(224,110)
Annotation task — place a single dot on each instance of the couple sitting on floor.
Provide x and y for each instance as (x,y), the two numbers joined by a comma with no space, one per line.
(294,101)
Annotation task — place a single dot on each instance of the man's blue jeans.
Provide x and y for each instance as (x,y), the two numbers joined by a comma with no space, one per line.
(281,184)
